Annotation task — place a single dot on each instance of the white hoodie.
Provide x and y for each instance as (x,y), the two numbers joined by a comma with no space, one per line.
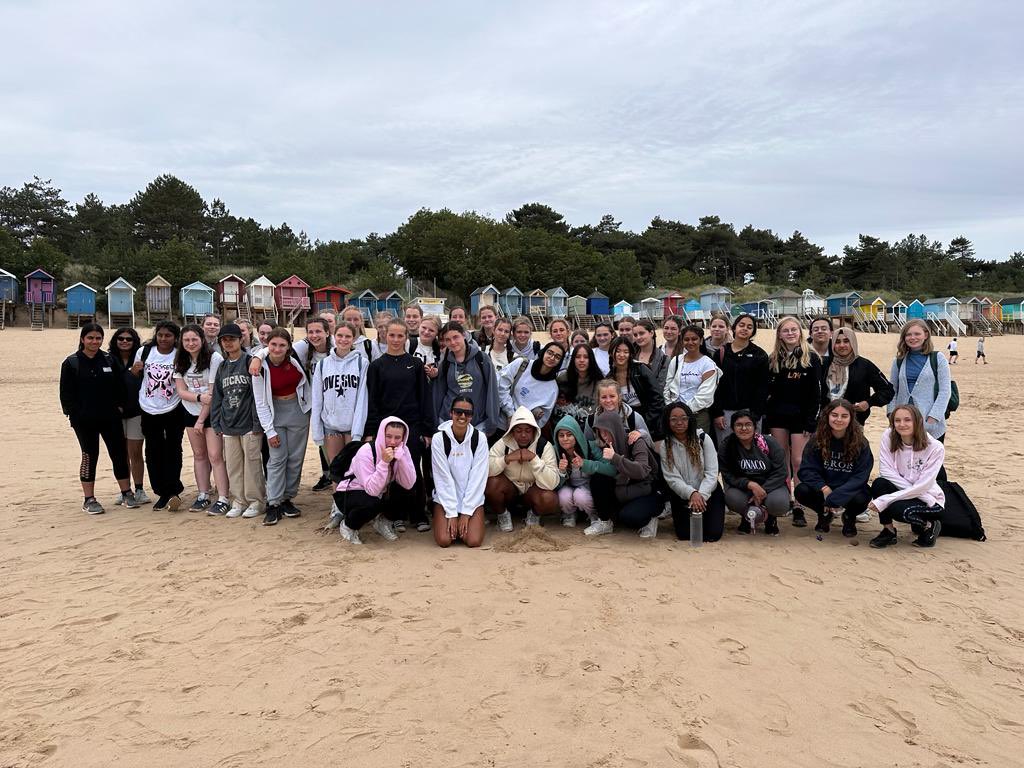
(265,399)
(461,476)
(339,395)
(535,395)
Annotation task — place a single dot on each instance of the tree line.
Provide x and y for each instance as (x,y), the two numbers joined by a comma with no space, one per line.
(168,228)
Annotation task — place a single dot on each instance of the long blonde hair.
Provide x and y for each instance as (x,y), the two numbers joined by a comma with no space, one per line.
(781,357)
(902,350)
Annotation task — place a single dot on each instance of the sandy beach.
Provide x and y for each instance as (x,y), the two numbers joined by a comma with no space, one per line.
(141,638)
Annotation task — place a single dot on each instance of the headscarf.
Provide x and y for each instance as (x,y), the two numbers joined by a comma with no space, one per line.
(839,367)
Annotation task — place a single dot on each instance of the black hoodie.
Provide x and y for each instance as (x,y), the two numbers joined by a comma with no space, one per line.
(744,382)
(396,385)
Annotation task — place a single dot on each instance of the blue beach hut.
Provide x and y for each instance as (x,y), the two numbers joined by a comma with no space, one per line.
(120,303)
(195,300)
(510,302)
(598,304)
(81,304)
(487,296)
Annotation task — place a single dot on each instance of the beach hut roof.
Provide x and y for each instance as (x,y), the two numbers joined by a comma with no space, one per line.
(394,295)
(489,288)
(597,295)
(670,295)
(197,285)
(847,295)
(1012,300)
(264,281)
(120,283)
(537,292)
(332,287)
(715,289)
(784,294)
(914,301)
(899,303)
(230,277)
(293,281)
(87,287)
(367,294)
(557,291)
(39,272)
(512,289)
(5,273)
(158,282)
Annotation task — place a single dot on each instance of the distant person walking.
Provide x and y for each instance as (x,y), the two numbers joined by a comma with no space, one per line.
(954,355)
(981,351)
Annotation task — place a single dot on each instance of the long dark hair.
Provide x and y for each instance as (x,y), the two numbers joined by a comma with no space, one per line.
(691,440)
(116,353)
(539,362)
(617,342)
(572,376)
(853,441)
(168,325)
(508,351)
(183,359)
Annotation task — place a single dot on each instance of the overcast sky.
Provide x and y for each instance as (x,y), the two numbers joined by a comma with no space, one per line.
(832,117)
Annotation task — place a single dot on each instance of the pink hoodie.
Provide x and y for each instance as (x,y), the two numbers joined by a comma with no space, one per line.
(374,480)
(912,472)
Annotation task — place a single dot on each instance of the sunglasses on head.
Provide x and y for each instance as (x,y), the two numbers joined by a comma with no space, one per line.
(462,412)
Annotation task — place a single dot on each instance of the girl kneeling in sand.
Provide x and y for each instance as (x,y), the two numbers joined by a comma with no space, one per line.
(459,464)
(753,469)
(578,460)
(909,460)
(379,484)
(689,464)
(835,468)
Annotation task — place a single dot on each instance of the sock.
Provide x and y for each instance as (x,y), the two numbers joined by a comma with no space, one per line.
(203,496)
(88,499)
(222,499)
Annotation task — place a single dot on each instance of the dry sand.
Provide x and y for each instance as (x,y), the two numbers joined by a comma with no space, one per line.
(156,639)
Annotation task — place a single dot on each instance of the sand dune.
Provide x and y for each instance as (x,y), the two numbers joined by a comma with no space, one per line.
(157,639)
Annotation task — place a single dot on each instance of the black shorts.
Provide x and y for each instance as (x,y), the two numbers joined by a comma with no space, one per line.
(979,355)
(792,424)
(187,418)
(954,353)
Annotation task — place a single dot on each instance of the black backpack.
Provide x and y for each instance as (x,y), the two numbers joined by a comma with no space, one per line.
(960,517)
(542,443)
(954,390)
(342,463)
(474,441)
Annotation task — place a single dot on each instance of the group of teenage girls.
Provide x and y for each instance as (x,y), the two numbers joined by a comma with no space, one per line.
(448,421)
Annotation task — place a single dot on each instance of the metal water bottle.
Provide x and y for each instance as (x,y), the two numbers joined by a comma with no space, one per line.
(696,529)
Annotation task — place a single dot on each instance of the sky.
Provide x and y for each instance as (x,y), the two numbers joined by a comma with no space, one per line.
(344,118)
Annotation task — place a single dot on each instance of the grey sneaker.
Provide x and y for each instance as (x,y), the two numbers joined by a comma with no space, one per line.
(128,499)
(120,499)
(569,520)
(399,526)
(423,527)
(532,518)
(650,530)
(93,507)
(864,517)
(352,537)
(141,497)
(598,528)
(219,508)
(505,521)
(383,526)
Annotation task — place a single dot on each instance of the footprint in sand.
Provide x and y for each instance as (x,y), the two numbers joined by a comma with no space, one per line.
(736,649)
(695,752)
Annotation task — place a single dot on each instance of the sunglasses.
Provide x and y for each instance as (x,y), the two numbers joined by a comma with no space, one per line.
(123,339)
(462,412)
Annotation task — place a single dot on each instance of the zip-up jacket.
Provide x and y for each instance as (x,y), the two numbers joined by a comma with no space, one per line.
(265,399)
(744,381)
(339,396)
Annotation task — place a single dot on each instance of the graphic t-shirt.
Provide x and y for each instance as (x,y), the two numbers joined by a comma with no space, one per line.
(425,353)
(690,375)
(157,394)
(197,383)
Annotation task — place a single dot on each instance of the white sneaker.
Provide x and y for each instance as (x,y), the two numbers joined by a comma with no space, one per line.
(864,517)
(383,526)
(252,510)
(598,527)
(569,520)
(352,537)
(532,518)
(141,497)
(650,530)
(234,512)
(505,521)
(666,513)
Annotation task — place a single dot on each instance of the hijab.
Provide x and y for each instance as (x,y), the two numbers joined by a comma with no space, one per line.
(839,367)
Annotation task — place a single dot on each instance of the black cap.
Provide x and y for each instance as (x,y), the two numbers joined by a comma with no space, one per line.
(231,329)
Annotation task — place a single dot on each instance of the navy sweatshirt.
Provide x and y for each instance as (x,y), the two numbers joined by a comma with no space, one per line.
(844,478)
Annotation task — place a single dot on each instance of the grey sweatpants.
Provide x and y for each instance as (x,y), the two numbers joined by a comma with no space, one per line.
(284,469)
(776,502)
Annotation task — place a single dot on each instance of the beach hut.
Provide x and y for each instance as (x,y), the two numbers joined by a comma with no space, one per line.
(392,303)
(120,304)
(231,298)
(330,298)
(1012,309)
(558,302)
(40,292)
(81,304)
(915,310)
(842,305)
(510,302)
(262,305)
(943,312)
(195,300)
(990,310)
(692,310)
(896,314)
(366,302)
(292,298)
(716,299)
(8,297)
(786,302)
(576,305)
(432,305)
(874,309)
(672,304)
(598,304)
(651,308)
(537,302)
(487,296)
(622,309)
(812,305)
(158,299)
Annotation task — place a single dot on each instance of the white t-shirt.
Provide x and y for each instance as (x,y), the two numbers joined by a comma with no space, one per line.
(157,394)
(601,356)
(691,375)
(952,346)
(197,384)
(425,353)
(628,395)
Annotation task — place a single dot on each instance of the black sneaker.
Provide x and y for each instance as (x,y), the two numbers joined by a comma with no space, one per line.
(290,510)
(824,522)
(744,527)
(849,525)
(323,483)
(200,505)
(273,515)
(218,508)
(162,503)
(771,525)
(928,536)
(799,521)
(884,539)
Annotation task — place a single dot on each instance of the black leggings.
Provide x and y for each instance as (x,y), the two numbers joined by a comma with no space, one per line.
(812,497)
(163,433)
(89,434)
(910,511)
(714,515)
(359,507)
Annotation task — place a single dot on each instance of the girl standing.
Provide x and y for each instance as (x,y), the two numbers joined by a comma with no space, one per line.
(689,464)
(522,339)
(124,345)
(744,381)
(192,379)
(625,327)
(835,469)
(855,378)
(578,460)
(559,331)
(603,335)
(795,394)
(465,371)
(921,377)
(500,350)
(645,339)
(531,384)
(162,416)
(907,487)
(638,387)
(693,377)
(671,327)
(92,396)
(753,470)
(486,318)
(262,334)
(577,385)
(718,335)
(338,411)
(282,404)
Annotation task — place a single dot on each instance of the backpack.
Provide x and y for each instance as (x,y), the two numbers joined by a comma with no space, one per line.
(342,463)
(954,390)
(474,442)
(542,443)
(960,517)
(108,361)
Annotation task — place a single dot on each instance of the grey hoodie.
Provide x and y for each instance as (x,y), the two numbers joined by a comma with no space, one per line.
(634,464)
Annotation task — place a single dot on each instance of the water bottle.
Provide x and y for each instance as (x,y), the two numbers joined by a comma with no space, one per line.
(756,516)
(696,529)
